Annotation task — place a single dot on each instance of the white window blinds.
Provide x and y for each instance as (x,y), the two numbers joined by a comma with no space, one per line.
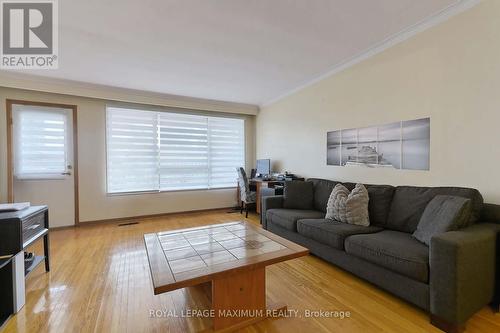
(163,151)
(132,150)
(226,139)
(183,152)
(41,142)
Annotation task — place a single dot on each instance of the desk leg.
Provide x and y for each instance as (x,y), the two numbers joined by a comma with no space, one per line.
(46,252)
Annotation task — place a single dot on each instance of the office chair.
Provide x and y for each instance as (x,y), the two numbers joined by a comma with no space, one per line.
(247,197)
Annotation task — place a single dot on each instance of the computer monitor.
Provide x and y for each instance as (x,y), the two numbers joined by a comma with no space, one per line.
(264,167)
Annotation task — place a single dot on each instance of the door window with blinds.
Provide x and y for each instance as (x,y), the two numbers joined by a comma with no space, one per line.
(40,142)
(164,151)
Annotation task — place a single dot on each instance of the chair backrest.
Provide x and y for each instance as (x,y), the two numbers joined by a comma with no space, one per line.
(243,184)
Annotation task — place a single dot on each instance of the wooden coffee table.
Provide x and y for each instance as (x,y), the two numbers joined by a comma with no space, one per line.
(231,256)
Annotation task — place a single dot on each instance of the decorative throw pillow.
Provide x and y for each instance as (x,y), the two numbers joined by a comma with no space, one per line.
(298,195)
(349,207)
(443,213)
(336,207)
(357,206)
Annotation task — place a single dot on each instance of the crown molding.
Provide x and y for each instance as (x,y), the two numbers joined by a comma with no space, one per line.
(429,22)
(11,79)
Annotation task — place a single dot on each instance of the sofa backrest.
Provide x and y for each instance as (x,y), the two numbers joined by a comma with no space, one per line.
(322,190)
(378,206)
(400,208)
(490,213)
(409,202)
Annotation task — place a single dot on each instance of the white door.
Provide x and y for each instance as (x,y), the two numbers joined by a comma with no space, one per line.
(43,160)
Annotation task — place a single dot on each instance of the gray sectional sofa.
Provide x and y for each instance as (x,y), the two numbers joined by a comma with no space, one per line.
(451,279)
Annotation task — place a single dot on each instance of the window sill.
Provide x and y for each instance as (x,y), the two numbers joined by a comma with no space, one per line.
(119,194)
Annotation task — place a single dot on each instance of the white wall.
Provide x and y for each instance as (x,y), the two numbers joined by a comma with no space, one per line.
(95,204)
(450,72)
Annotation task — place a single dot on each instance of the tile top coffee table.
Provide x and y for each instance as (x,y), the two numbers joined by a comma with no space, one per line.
(232,256)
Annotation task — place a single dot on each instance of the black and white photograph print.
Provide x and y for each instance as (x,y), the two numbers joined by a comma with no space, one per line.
(349,151)
(416,144)
(389,144)
(367,146)
(333,148)
(398,145)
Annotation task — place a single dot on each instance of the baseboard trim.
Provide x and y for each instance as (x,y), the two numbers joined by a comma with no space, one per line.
(63,227)
(147,217)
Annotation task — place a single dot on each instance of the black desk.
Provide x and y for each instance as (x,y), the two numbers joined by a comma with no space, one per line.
(19,230)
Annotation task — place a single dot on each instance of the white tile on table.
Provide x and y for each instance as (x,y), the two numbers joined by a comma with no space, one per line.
(208,248)
(256,237)
(243,252)
(271,246)
(195,233)
(184,252)
(174,244)
(236,227)
(201,240)
(216,230)
(217,257)
(233,243)
(243,233)
(224,236)
(187,264)
(170,237)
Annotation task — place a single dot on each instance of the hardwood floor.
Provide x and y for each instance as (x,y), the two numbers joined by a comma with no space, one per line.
(100,282)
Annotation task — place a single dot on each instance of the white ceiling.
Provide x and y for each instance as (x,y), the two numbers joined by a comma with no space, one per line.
(247,51)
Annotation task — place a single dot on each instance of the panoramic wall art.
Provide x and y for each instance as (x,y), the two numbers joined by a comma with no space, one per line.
(400,145)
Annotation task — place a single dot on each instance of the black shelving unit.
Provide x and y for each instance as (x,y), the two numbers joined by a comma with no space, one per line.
(36,261)
(7,290)
(19,230)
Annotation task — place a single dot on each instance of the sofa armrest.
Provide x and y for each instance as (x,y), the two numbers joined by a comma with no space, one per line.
(269,203)
(462,272)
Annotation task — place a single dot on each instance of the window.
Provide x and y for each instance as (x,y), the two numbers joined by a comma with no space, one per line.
(163,151)
(40,141)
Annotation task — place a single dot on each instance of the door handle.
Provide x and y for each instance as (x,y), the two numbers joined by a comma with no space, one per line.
(66,173)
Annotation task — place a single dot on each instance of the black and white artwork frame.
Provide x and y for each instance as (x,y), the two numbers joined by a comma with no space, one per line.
(399,145)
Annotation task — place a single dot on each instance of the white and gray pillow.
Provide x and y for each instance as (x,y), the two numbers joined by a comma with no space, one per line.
(336,206)
(349,207)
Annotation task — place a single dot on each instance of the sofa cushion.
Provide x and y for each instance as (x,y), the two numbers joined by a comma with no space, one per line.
(298,195)
(443,213)
(287,218)
(322,190)
(380,203)
(396,251)
(330,232)
(409,203)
